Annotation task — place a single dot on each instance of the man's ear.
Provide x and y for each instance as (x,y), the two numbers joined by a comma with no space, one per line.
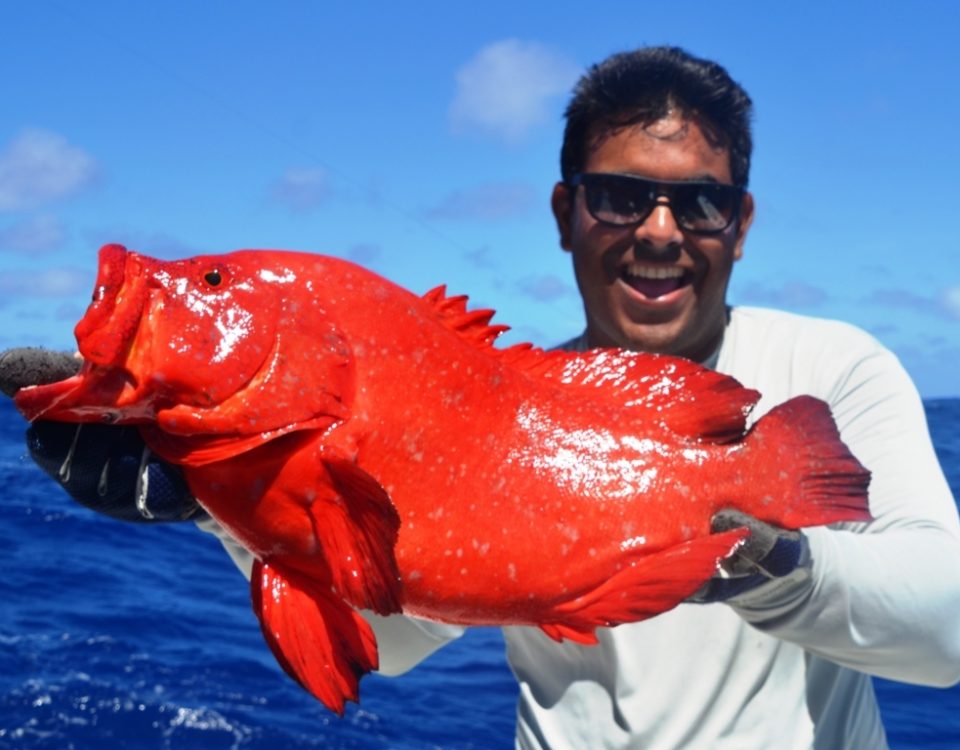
(562,204)
(743,224)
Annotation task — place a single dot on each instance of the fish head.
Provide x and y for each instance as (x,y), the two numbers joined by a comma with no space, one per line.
(212,344)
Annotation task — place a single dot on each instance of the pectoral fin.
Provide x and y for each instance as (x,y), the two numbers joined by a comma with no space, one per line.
(319,640)
(357,527)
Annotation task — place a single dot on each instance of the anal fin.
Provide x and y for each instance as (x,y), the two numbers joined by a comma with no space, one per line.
(318,639)
(650,585)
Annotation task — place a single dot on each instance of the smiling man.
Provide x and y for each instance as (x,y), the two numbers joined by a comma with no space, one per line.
(654,209)
(654,224)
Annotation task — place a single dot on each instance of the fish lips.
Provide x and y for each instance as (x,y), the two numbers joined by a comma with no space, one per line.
(107,329)
(95,394)
(104,386)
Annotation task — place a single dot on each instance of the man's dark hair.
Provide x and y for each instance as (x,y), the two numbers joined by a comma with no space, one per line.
(641,87)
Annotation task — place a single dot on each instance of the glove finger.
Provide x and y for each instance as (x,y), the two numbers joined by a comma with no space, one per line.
(764,539)
(74,454)
(101,467)
(720,589)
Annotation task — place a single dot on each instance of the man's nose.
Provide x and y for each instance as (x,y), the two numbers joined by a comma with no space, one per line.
(659,236)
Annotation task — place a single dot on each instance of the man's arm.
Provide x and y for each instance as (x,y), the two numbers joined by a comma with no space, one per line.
(882,597)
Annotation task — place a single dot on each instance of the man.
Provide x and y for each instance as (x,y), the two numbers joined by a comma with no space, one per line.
(654,211)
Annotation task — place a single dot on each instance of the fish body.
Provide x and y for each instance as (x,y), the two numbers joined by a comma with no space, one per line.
(374,450)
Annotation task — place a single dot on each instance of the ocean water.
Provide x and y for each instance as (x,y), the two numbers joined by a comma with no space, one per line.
(124,636)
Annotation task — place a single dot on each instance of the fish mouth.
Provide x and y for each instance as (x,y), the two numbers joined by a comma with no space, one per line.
(104,390)
(95,394)
(107,329)
(654,281)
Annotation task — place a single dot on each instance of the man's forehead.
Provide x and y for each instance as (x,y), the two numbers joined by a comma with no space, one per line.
(675,125)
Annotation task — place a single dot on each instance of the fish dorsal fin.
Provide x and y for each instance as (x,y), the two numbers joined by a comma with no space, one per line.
(473,325)
(686,398)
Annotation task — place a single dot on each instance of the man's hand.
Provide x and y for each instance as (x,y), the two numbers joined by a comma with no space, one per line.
(109,469)
(768,554)
(106,468)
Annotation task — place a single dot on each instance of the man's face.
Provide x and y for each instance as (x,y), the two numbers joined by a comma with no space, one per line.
(652,286)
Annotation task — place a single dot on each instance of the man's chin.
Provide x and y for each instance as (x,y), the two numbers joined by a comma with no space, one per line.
(674,336)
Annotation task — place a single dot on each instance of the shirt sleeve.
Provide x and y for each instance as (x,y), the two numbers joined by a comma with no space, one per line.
(402,642)
(882,597)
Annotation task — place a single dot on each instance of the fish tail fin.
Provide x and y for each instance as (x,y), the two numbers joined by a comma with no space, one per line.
(812,477)
(319,640)
(648,585)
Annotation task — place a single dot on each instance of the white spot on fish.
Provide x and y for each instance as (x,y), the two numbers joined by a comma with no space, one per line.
(633,543)
(270,276)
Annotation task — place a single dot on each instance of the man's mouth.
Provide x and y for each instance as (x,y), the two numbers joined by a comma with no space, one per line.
(655,281)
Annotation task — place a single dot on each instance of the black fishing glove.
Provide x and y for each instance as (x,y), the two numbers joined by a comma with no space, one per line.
(109,469)
(106,468)
(769,553)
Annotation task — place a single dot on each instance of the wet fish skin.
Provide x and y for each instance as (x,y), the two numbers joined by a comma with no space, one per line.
(374,450)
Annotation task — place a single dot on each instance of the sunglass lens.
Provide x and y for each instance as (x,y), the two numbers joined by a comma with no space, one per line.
(618,200)
(705,207)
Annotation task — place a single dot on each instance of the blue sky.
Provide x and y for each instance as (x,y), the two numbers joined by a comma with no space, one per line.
(423,140)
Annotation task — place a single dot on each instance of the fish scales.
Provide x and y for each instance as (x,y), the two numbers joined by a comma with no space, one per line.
(373,449)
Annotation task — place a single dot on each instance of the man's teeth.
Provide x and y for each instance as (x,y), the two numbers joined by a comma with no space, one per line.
(654,272)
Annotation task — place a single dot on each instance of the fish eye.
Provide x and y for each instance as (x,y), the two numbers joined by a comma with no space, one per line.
(213,278)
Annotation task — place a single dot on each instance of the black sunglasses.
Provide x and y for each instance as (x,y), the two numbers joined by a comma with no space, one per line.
(623,199)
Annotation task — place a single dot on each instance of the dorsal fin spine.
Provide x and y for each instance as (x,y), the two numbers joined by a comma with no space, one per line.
(682,396)
(473,325)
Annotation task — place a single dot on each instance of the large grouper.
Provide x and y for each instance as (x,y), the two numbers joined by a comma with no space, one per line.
(374,450)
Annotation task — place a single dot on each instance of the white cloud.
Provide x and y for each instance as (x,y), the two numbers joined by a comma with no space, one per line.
(506,89)
(301,188)
(544,288)
(485,203)
(38,167)
(950,301)
(38,234)
(944,304)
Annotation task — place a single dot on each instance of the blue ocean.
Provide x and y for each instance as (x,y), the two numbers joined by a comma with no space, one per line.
(116,635)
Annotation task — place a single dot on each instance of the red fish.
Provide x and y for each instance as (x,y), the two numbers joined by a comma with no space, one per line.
(374,450)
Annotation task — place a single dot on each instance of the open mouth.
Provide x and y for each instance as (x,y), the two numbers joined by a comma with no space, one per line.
(655,281)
